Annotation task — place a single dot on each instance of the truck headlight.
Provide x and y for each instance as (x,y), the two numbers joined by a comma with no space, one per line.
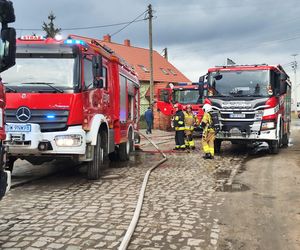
(68,140)
(266,125)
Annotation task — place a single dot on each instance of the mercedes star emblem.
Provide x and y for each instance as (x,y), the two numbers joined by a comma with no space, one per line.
(23,114)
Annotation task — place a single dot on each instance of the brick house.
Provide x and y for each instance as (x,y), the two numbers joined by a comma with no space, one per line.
(163,74)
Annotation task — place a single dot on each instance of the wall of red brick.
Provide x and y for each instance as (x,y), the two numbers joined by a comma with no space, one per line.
(161,121)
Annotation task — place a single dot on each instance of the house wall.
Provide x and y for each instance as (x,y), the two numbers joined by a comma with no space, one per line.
(161,121)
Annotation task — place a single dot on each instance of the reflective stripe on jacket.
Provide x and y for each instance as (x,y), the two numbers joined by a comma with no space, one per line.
(179,120)
(208,123)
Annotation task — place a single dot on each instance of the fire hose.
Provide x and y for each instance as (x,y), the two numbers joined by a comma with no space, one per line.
(136,215)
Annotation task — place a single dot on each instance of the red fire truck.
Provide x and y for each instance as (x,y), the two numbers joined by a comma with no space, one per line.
(253,102)
(7,60)
(183,93)
(72,99)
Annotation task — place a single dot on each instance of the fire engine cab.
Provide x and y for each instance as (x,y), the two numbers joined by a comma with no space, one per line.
(253,102)
(72,99)
(183,93)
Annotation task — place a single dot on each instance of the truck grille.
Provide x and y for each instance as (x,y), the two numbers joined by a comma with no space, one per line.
(49,120)
(247,116)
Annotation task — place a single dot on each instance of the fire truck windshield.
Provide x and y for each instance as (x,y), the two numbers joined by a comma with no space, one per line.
(59,72)
(186,96)
(239,83)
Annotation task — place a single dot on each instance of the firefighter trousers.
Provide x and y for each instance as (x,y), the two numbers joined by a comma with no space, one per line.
(208,139)
(189,139)
(179,139)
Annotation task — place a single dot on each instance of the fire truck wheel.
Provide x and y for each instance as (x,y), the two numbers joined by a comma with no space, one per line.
(3,183)
(113,156)
(100,151)
(281,134)
(124,150)
(9,165)
(285,140)
(131,141)
(217,145)
(274,147)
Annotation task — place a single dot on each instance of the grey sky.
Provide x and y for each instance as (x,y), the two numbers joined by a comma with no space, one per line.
(198,33)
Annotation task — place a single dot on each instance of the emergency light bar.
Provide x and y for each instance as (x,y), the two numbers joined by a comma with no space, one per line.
(74,41)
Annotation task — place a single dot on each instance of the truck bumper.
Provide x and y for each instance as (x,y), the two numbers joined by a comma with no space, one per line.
(268,135)
(45,143)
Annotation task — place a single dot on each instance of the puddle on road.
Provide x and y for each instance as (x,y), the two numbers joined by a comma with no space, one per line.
(222,174)
(238,187)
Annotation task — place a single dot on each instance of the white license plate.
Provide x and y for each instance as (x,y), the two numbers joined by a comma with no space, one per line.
(237,115)
(18,127)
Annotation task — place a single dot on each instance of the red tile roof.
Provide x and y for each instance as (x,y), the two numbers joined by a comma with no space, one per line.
(139,58)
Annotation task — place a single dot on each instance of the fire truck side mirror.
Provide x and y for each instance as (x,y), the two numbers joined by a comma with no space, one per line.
(98,71)
(7,14)
(7,48)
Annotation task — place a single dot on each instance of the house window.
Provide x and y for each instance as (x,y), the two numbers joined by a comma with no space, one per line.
(172,72)
(164,71)
(144,68)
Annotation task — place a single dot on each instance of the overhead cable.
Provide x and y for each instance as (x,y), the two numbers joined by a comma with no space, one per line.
(88,27)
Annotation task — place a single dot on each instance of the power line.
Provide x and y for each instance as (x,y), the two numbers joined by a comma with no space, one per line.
(88,27)
(129,23)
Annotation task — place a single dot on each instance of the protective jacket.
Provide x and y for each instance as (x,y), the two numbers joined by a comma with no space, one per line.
(190,120)
(178,120)
(207,123)
(208,136)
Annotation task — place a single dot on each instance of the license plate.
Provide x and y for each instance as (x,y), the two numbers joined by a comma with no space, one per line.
(18,127)
(237,115)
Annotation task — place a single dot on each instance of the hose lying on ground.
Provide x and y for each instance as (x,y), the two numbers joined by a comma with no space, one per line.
(136,215)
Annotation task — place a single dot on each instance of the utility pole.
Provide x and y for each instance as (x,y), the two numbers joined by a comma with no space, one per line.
(294,67)
(151,53)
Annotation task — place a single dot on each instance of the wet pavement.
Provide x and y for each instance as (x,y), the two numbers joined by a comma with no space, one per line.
(67,211)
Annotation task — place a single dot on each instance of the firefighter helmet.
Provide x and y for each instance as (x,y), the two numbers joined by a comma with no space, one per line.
(207,108)
(178,106)
(189,106)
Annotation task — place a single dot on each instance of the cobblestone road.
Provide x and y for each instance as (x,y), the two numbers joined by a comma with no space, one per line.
(70,212)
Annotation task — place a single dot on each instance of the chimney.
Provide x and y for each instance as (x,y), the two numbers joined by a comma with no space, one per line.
(107,38)
(127,42)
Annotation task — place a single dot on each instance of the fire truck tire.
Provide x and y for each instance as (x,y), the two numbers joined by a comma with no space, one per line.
(281,134)
(217,145)
(3,183)
(274,147)
(113,156)
(100,151)
(9,165)
(131,141)
(124,150)
(285,140)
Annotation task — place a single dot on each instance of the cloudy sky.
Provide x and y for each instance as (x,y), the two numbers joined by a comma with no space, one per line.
(198,33)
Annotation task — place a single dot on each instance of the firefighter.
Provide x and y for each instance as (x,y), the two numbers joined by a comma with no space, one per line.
(178,123)
(208,136)
(190,120)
